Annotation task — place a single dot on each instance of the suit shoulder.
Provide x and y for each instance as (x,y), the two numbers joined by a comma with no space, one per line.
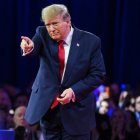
(88,34)
(41,29)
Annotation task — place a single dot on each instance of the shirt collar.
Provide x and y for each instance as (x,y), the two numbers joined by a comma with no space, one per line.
(69,37)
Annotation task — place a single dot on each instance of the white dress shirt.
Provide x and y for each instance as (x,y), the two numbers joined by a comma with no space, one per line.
(67,45)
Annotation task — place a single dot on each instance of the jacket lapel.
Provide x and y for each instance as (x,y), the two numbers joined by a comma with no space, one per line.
(54,61)
(73,55)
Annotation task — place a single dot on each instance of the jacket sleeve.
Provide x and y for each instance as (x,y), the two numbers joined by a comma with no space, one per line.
(37,41)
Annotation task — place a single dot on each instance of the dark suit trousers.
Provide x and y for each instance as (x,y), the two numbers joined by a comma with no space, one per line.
(53,129)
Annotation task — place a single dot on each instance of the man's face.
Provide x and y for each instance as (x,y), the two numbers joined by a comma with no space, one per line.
(57,28)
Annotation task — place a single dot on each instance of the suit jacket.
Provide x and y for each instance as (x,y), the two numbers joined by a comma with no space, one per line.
(84,72)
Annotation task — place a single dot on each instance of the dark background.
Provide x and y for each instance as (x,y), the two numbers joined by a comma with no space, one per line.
(116,22)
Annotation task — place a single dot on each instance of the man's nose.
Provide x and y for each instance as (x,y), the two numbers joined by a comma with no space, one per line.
(51,27)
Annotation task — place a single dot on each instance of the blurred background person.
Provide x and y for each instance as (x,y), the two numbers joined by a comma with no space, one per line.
(115,93)
(22,129)
(5,99)
(3,117)
(137,109)
(21,99)
(120,126)
(103,120)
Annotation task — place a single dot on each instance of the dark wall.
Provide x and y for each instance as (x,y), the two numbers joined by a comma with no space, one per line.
(116,22)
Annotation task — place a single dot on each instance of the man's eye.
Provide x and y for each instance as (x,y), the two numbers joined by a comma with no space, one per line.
(47,25)
(52,24)
(55,24)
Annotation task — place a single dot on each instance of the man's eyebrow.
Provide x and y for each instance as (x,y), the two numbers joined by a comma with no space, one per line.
(46,24)
(54,22)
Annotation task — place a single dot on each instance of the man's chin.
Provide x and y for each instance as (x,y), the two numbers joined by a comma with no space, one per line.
(55,37)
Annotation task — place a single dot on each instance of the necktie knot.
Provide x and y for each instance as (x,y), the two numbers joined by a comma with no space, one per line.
(61,43)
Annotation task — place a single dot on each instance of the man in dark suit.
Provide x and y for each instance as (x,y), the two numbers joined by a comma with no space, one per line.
(61,97)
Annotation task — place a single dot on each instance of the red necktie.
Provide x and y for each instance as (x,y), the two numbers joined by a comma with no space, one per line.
(61,57)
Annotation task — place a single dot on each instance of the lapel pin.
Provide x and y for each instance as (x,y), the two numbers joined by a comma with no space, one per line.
(77,44)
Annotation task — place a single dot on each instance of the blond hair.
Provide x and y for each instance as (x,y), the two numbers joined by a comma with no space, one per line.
(54,10)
